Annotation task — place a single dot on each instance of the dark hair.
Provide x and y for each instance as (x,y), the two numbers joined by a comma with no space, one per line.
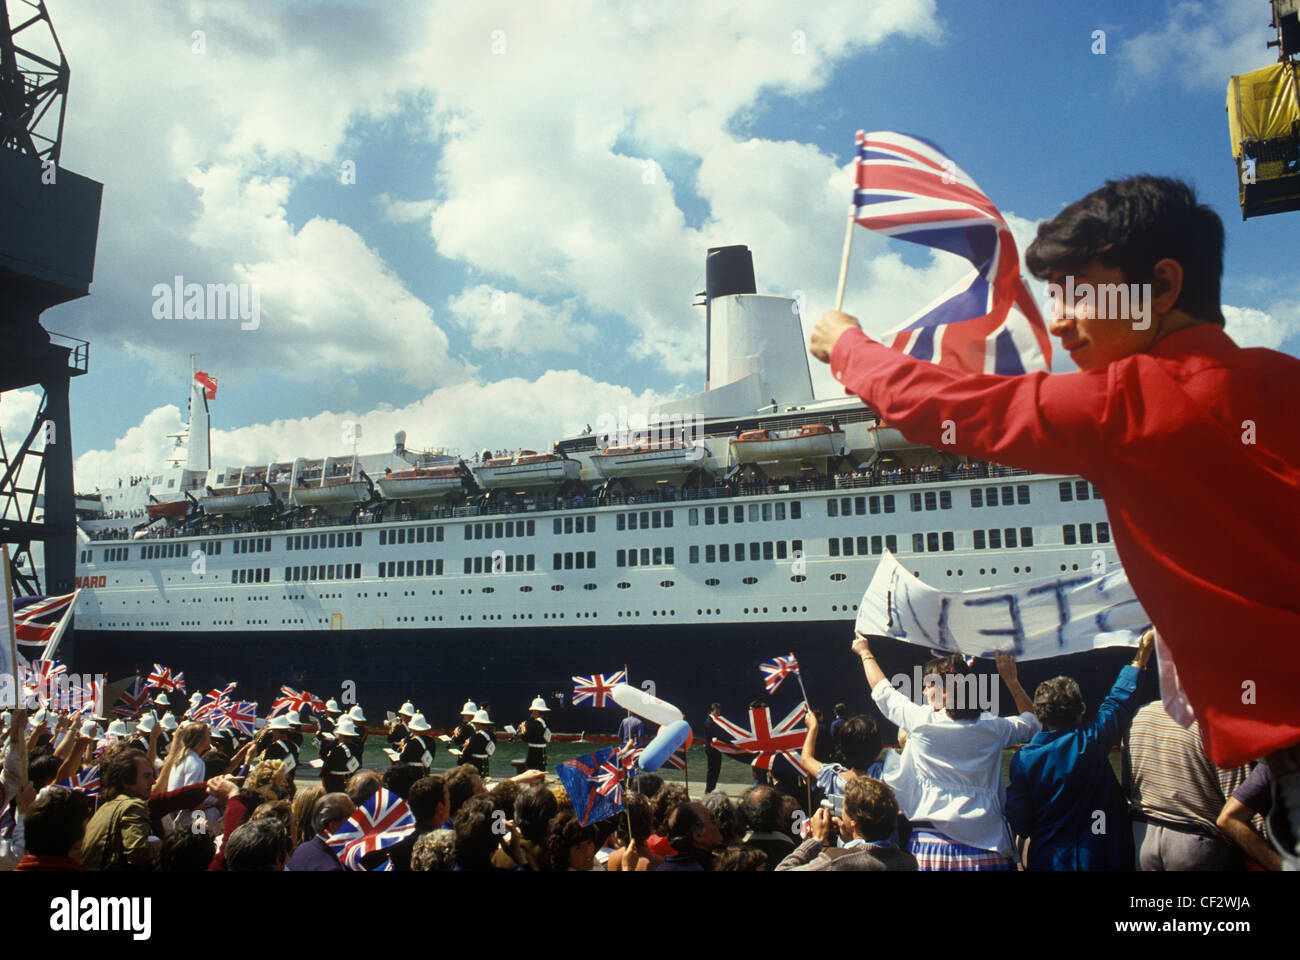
(435,850)
(668,797)
(400,777)
(871,805)
(214,764)
(1059,702)
(475,840)
(42,768)
(184,851)
(683,823)
(955,666)
(563,833)
(761,809)
(534,809)
(460,784)
(426,796)
(330,809)
(725,815)
(840,709)
(363,785)
(120,765)
(258,844)
(56,821)
(638,811)
(860,741)
(505,794)
(281,810)
(714,706)
(649,785)
(1132,224)
(741,858)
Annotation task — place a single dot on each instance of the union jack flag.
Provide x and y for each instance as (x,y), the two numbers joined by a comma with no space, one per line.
(87,782)
(133,700)
(39,679)
(163,678)
(988,321)
(777,669)
(291,699)
(380,822)
(610,778)
(970,661)
(768,743)
(241,716)
(627,754)
(36,619)
(596,687)
(212,700)
(677,760)
(86,698)
(580,777)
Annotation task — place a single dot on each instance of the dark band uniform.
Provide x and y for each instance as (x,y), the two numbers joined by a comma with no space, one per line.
(460,736)
(418,748)
(537,735)
(399,733)
(340,763)
(479,749)
(286,751)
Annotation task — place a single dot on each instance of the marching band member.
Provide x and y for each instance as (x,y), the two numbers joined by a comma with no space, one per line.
(399,730)
(343,759)
(536,734)
(279,745)
(419,746)
(481,745)
(465,729)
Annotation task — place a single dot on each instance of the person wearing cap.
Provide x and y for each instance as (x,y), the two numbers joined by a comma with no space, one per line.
(341,760)
(196,698)
(400,730)
(536,734)
(358,717)
(481,745)
(465,729)
(332,713)
(420,746)
(142,739)
(279,744)
(168,726)
(161,701)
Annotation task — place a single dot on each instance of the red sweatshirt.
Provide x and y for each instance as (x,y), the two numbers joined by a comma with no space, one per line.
(1195,446)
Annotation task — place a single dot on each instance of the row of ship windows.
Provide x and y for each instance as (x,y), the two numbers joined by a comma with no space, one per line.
(1076,490)
(324,571)
(758,512)
(408,568)
(388,538)
(503,528)
(767,550)
(585,524)
(260,575)
(646,557)
(574,561)
(843,546)
(500,563)
(649,519)
(254,545)
(316,541)
(989,496)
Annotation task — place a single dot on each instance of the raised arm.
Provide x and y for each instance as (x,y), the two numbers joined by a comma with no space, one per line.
(1050,423)
(869,665)
(1007,671)
(811,765)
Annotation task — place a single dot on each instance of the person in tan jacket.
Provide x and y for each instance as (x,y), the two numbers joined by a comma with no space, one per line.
(117,837)
(867,829)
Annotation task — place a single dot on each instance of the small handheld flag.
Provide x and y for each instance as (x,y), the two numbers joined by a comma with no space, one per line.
(776,670)
(383,820)
(597,687)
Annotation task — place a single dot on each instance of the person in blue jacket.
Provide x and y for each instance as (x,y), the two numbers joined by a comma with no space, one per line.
(1062,795)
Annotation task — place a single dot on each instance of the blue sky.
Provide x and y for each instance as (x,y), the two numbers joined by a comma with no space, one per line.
(524,170)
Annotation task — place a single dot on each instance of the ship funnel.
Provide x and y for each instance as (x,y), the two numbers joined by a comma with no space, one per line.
(399,440)
(197,453)
(729,270)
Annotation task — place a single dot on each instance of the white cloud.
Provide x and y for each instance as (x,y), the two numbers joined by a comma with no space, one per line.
(497,320)
(404,211)
(1200,45)
(512,413)
(1249,327)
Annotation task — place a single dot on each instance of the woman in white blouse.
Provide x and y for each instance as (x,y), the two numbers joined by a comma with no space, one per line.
(185,760)
(949,781)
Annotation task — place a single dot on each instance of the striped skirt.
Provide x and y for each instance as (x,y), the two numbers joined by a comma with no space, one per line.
(935,851)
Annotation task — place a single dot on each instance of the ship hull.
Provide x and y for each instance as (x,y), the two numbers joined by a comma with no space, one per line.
(691,665)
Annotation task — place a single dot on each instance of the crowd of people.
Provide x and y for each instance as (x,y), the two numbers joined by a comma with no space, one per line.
(179,795)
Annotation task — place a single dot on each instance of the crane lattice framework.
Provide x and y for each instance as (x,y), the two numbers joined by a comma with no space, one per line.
(49,222)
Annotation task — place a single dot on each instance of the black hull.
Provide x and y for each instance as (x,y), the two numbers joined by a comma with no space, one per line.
(691,666)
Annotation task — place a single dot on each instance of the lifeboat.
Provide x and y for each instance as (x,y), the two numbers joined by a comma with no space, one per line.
(422,483)
(235,500)
(336,491)
(660,458)
(168,510)
(530,468)
(763,446)
(881,438)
